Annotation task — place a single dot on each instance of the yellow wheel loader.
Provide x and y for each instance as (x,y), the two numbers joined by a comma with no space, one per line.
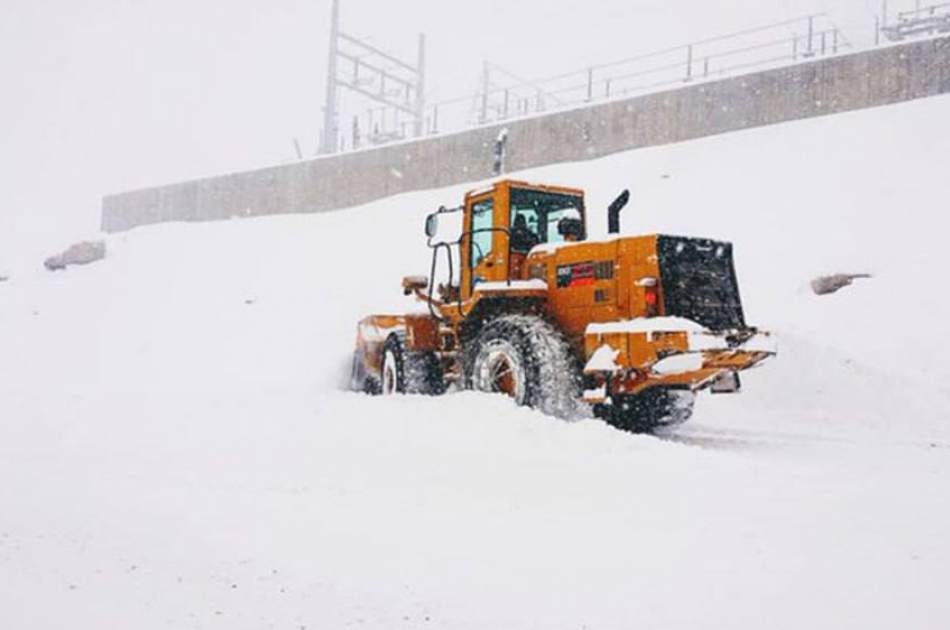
(631,328)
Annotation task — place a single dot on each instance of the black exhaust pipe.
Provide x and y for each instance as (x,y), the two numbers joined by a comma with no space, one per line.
(613,212)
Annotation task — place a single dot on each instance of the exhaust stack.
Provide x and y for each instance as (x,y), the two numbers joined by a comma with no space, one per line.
(613,212)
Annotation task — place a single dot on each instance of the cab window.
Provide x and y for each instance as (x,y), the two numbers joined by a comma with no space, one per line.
(535,216)
(481,234)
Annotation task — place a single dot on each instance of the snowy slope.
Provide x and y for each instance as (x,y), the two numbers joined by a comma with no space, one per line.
(176,452)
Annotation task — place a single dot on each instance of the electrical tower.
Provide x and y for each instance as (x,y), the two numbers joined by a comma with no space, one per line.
(373,74)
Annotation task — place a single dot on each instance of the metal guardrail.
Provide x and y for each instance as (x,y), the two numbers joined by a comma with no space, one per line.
(505,96)
(738,52)
(932,19)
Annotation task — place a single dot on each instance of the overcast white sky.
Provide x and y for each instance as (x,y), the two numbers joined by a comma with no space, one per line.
(101,96)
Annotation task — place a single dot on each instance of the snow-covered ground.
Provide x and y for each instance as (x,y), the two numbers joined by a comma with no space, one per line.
(175,449)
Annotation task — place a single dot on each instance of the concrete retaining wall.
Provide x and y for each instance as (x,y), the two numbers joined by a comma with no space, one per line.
(865,79)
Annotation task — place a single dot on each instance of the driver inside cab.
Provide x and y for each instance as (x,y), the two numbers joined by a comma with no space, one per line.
(522,238)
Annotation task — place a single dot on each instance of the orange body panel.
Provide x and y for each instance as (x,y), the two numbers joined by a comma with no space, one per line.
(629,259)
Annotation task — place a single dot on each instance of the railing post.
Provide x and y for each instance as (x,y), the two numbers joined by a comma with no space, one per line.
(689,62)
(823,46)
(706,68)
(506,102)
(486,85)
(811,36)
(877,30)
(607,88)
(834,41)
(420,96)
(590,84)
(794,46)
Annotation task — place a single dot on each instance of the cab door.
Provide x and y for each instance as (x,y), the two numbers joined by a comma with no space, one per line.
(482,243)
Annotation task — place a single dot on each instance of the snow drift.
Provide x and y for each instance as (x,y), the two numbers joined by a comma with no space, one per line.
(177,450)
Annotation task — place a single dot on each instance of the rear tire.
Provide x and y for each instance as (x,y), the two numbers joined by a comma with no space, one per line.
(525,358)
(648,411)
(407,372)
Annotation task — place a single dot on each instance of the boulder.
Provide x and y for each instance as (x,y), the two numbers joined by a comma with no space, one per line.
(82,253)
(825,285)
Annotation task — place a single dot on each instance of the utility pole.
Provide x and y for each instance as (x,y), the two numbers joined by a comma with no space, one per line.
(419,123)
(486,88)
(376,75)
(330,130)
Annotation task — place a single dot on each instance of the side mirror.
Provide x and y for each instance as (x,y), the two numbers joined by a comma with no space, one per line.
(432,225)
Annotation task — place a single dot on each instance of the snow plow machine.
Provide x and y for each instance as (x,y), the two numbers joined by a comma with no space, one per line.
(631,328)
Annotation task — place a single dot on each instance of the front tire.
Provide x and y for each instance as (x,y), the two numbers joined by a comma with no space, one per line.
(526,359)
(407,372)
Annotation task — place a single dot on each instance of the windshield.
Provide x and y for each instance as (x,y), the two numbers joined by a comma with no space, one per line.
(535,215)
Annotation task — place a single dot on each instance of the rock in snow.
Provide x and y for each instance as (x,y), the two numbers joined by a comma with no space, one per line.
(82,253)
(825,285)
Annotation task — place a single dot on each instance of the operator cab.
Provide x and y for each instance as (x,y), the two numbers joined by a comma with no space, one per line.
(500,227)
(504,223)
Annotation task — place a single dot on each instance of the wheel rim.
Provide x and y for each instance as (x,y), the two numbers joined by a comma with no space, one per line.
(499,370)
(389,374)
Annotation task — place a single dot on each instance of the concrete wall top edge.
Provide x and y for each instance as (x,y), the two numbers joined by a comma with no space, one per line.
(819,86)
(491,131)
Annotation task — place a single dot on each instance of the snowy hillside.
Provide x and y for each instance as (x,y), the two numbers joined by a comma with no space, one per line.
(176,450)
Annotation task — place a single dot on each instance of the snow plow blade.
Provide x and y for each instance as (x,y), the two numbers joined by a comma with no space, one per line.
(415,333)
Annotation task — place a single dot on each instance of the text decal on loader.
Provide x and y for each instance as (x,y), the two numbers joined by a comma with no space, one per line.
(584,274)
(576,275)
